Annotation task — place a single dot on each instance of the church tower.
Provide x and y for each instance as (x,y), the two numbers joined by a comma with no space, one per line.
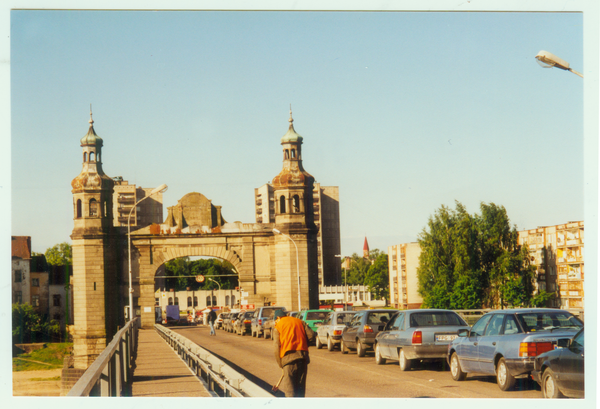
(94,267)
(294,216)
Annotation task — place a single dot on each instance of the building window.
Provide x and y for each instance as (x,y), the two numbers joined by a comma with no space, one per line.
(18,297)
(35,300)
(56,300)
(208,304)
(93,208)
(214,300)
(176,300)
(18,276)
(195,301)
(170,300)
(226,300)
(296,201)
(78,209)
(189,301)
(282,204)
(35,282)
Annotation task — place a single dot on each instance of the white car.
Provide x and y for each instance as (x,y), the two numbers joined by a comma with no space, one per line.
(330,331)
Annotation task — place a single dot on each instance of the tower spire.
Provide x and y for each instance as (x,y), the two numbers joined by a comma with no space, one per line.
(91,119)
(291,120)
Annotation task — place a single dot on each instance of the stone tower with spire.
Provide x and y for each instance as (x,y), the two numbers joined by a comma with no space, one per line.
(366,249)
(95,287)
(293,197)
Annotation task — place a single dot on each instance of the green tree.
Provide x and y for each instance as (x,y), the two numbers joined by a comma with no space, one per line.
(377,277)
(358,270)
(59,255)
(28,326)
(473,261)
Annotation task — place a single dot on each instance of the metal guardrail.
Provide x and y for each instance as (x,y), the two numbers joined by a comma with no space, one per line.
(220,378)
(111,374)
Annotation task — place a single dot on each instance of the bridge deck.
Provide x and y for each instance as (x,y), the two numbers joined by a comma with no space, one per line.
(160,372)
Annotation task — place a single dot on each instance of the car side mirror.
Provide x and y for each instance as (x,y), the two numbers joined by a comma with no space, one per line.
(463,332)
(563,342)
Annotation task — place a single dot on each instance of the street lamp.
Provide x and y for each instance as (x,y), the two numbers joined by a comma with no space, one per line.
(345,284)
(297,263)
(549,60)
(159,189)
(217,283)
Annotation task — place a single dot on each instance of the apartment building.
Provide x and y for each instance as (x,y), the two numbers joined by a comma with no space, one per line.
(125,196)
(558,253)
(403,261)
(326,210)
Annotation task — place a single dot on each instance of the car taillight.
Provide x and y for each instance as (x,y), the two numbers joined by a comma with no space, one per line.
(246,321)
(366,328)
(260,321)
(337,332)
(531,349)
(417,337)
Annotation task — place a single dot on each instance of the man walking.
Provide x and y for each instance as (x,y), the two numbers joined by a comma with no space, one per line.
(291,338)
(212,317)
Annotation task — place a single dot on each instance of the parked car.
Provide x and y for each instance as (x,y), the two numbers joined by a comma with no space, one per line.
(243,323)
(505,343)
(560,371)
(330,332)
(260,317)
(229,323)
(359,334)
(313,317)
(293,314)
(417,335)
(219,321)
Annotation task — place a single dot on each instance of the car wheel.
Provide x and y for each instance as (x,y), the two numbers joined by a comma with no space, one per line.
(404,363)
(330,345)
(455,369)
(549,387)
(379,360)
(318,343)
(505,380)
(361,350)
(343,347)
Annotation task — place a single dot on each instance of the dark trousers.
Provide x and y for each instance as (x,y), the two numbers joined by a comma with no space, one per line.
(294,379)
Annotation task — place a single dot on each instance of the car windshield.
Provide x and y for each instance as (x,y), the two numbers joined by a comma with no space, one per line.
(434,319)
(268,312)
(548,320)
(316,315)
(344,318)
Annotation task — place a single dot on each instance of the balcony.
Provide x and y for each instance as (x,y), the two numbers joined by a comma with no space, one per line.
(126,199)
(259,202)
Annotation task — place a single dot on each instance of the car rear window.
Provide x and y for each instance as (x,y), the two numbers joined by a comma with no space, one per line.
(540,321)
(435,319)
(344,318)
(268,312)
(316,315)
(379,317)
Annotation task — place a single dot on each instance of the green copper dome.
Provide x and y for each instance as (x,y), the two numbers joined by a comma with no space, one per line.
(90,137)
(291,135)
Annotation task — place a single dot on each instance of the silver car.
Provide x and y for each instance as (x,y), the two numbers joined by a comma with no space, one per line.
(413,335)
(330,332)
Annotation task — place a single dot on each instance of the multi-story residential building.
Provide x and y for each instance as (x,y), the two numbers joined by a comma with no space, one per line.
(403,261)
(125,196)
(326,209)
(21,269)
(557,252)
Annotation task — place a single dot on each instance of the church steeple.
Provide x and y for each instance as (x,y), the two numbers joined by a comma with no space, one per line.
(293,186)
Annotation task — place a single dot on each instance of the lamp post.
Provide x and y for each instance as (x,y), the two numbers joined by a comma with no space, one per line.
(549,60)
(297,263)
(217,283)
(159,189)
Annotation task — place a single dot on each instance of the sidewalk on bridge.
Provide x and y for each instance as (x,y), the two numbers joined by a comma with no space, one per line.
(159,371)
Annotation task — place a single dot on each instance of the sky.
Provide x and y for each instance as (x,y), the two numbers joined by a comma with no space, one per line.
(403,111)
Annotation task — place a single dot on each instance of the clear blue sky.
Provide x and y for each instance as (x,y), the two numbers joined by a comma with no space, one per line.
(405,112)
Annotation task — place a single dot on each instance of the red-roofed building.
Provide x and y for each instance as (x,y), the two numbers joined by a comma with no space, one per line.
(21,269)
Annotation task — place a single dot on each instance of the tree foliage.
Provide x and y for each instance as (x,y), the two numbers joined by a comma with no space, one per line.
(377,277)
(28,326)
(59,255)
(359,266)
(213,270)
(473,261)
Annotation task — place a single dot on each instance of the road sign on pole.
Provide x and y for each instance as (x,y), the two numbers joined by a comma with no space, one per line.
(200,278)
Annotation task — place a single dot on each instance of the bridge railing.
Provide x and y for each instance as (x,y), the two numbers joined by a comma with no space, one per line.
(111,373)
(219,378)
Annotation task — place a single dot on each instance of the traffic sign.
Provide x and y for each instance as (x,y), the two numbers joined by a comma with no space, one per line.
(200,278)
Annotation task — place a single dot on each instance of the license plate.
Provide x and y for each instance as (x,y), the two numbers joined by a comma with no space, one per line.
(445,337)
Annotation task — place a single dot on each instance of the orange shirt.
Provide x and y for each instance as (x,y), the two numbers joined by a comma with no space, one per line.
(292,336)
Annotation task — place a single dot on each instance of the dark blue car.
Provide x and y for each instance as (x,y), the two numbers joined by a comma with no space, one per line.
(560,371)
(505,343)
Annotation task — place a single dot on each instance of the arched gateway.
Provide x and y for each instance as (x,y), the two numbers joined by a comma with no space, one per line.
(277,260)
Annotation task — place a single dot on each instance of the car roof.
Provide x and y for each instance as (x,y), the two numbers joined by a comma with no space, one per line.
(526,310)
